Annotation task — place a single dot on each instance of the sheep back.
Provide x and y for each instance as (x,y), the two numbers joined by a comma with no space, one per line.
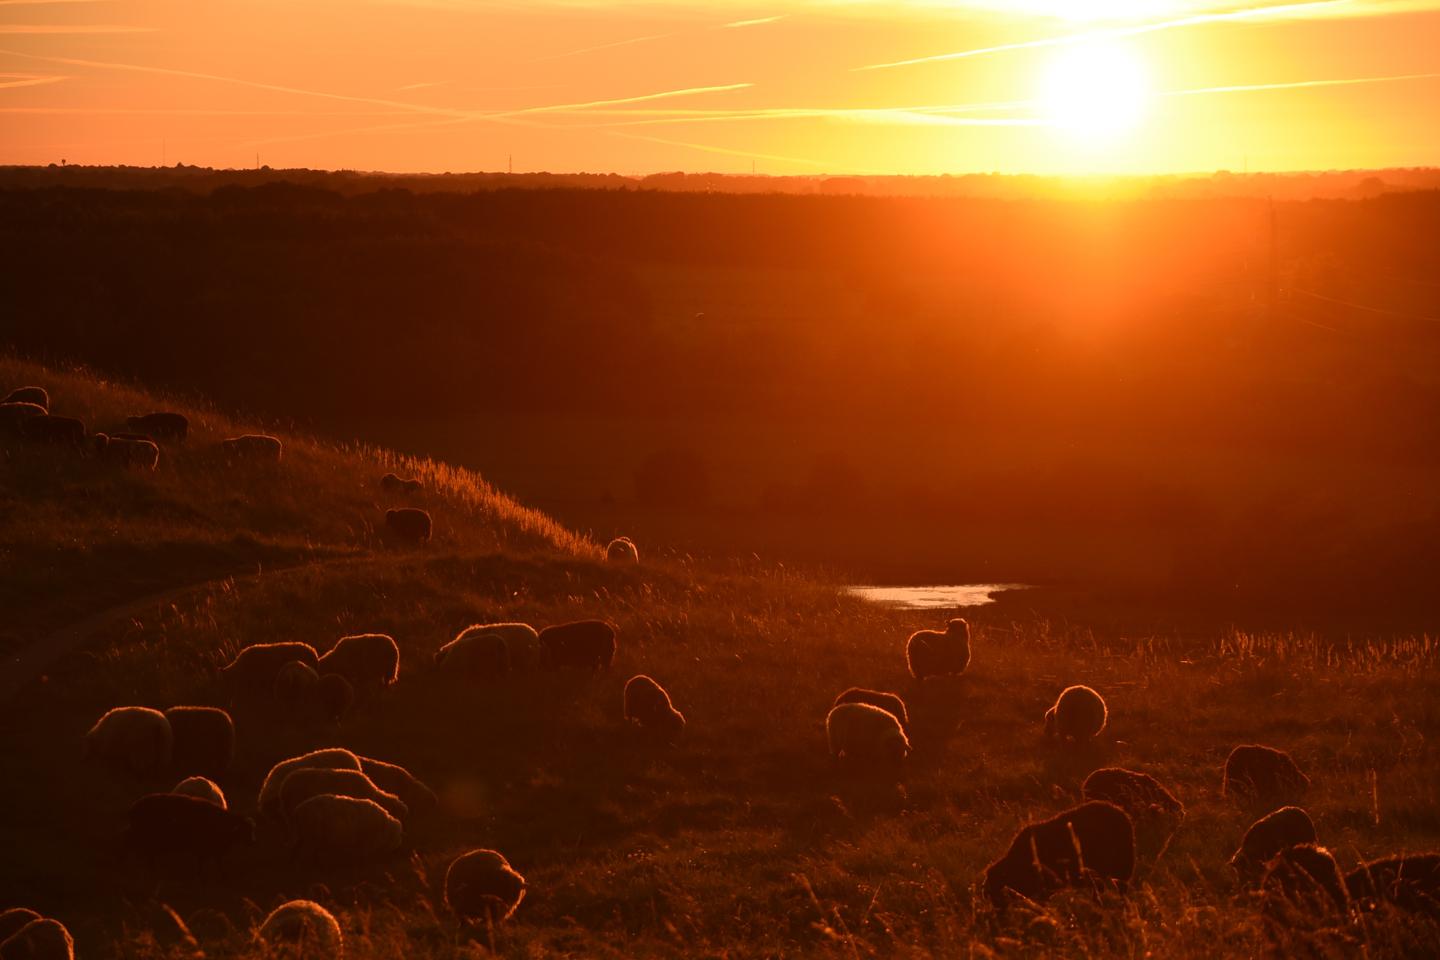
(137,740)
(171,827)
(1286,827)
(889,702)
(203,788)
(1257,773)
(305,927)
(481,885)
(1079,714)
(393,778)
(333,829)
(334,758)
(865,735)
(365,659)
(204,739)
(31,395)
(254,668)
(300,785)
(584,644)
(41,939)
(408,525)
(1093,843)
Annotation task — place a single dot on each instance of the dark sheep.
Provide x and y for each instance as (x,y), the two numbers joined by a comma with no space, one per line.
(13,919)
(256,447)
(1262,774)
(14,415)
(1408,882)
(408,525)
(394,483)
(1286,827)
(648,705)
(161,426)
(203,741)
(335,696)
(50,429)
(254,668)
(302,929)
(367,660)
(40,939)
(889,702)
(1154,810)
(588,644)
(126,452)
(176,829)
(475,657)
(35,395)
(395,779)
(128,436)
(300,785)
(1092,844)
(622,550)
(1079,714)
(481,886)
(1306,878)
(931,653)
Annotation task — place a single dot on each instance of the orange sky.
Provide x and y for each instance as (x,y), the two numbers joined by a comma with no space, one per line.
(794,86)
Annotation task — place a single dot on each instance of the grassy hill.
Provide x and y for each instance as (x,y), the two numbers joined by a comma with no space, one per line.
(743,840)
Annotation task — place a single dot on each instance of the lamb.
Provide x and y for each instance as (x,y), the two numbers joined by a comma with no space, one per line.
(204,740)
(295,685)
(59,431)
(1079,714)
(1304,877)
(300,785)
(333,758)
(393,778)
(408,525)
(367,660)
(866,736)
(161,426)
(1092,844)
(587,644)
(14,414)
(931,653)
(481,886)
(305,928)
(343,830)
(335,695)
(175,829)
(889,702)
(13,919)
(202,788)
(475,656)
(622,550)
(522,642)
(254,669)
(393,483)
(1410,883)
(136,740)
(648,705)
(1153,809)
(1286,827)
(254,447)
(126,451)
(33,395)
(1263,774)
(40,939)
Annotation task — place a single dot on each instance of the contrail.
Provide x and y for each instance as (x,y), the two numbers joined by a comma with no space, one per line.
(26,80)
(589,104)
(602,46)
(45,3)
(1074,38)
(183,112)
(30,29)
(1297,84)
(758,21)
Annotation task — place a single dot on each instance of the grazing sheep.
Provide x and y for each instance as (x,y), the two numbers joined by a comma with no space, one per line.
(129,436)
(393,483)
(60,431)
(34,395)
(295,685)
(161,426)
(254,668)
(300,785)
(13,415)
(587,644)
(393,778)
(889,702)
(367,660)
(178,829)
(204,740)
(1263,774)
(1153,809)
(137,740)
(254,447)
(648,705)
(408,525)
(13,919)
(866,736)
(1286,827)
(335,695)
(522,641)
(482,886)
(931,653)
(127,451)
(1093,843)
(1408,882)
(332,758)
(333,830)
(1305,877)
(1079,715)
(40,939)
(302,928)
(202,788)
(622,550)
(475,656)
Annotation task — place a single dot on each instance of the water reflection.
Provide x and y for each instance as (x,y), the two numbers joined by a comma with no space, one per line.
(932,597)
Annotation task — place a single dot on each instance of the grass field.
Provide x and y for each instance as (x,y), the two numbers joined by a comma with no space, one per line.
(742,840)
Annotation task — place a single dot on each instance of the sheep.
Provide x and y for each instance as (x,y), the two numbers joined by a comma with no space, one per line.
(482,886)
(184,829)
(334,758)
(393,483)
(47,428)
(304,928)
(13,919)
(648,705)
(889,702)
(622,550)
(203,788)
(204,740)
(295,685)
(254,668)
(367,660)
(127,451)
(335,695)
(1410,883)
(866,736)
(300,785)
(393,778)
(1286,827)
(254,447)
(331,830)
(14,414)
(1079,714)
(1153,809)
(474,656)
(522,642)
(408,525)
(931,653)
(587,644)
(32,395)
(161,426)
(1258,773)
(1304,877)
(137,740)
(40,939)
(1093,843)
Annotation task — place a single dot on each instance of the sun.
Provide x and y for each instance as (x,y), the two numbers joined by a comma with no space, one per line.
(1095,91)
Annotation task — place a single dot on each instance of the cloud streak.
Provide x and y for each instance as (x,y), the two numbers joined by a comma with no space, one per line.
(46,29)
(9,81)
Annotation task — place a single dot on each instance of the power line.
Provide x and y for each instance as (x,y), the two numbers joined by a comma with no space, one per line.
(1360,306)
